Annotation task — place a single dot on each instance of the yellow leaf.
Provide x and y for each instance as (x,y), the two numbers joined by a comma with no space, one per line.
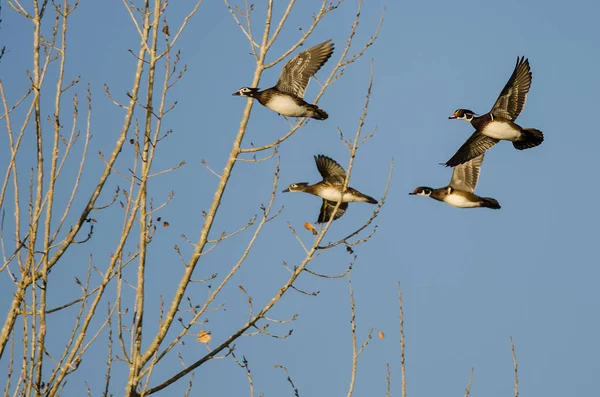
(310,227)
(381,334)
(166,224)
(204,336)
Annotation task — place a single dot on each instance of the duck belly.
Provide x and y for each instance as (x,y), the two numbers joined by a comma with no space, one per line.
(286,106)
(502,131)
(332,194)
(457,200)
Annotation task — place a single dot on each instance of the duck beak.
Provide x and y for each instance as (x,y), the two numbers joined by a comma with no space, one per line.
(286,190)
(412,194)
(237,93)
(453,116)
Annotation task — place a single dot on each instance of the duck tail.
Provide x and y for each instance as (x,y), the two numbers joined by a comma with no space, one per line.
(319,114)
(530,137)
(488,202)
(370,200)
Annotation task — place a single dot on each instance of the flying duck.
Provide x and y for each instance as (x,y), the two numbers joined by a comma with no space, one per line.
(287,96)
(459,193)
(498,124)
(330,189)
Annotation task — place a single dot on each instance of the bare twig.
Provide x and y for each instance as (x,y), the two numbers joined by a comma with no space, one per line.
(468,389)
(350,266)
(355,353)
(516,367)
(388,380)
(402,344)
(245,366)
(289,379)
(210,169)
(247,32)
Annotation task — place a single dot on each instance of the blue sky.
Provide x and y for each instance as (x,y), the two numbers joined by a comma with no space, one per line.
(471,278)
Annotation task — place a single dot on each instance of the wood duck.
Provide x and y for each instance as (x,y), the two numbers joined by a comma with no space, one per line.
(499,123)
(459,193)
(287,97)
(330,189)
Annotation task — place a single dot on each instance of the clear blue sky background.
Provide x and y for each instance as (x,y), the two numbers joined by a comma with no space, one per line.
(471,278)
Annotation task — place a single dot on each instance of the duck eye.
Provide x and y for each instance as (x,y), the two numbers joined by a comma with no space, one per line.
(294,185)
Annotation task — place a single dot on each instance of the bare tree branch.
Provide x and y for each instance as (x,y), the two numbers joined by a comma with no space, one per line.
(468,390)
(402,344)
(289,379)
(516,367)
